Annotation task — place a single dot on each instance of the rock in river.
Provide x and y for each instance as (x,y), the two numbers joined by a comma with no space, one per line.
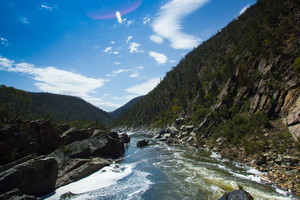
(142,143)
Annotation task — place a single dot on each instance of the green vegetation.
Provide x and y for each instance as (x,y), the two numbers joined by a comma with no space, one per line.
(58,108)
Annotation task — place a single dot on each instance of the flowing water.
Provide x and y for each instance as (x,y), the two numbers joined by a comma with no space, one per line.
(160,171)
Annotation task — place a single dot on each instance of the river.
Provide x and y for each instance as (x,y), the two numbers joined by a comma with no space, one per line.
(161,171)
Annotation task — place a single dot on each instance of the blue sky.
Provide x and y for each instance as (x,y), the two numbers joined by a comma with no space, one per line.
(81,48)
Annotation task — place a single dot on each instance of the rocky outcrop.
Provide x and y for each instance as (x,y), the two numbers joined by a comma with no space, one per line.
(68,156)
(22,138)
(237,195)
(125,138)
(76,169)
(35,177)
(292,120)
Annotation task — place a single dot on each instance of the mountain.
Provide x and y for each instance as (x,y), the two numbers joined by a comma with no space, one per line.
(45,105)
(248,70)
(125,107)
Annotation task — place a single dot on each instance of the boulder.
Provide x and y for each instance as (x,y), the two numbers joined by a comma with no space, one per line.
(74,134)
(35,177)
(125,138)
(142,143)
(106,146)
(237,195)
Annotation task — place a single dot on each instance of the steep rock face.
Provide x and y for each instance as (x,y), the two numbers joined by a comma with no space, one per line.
(292,119)
(22,138)
(34,177)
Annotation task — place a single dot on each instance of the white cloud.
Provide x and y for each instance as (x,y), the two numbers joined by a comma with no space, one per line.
(24,20)
(140,67)
(113,42)
(128,22)
(117,63)
(244,9)
(107,50)
(133,47)
(157,39)
(53,80)
(159,57)
(143,88)
(120,71)
(4,42)
(115,52)
(109,106)
(172,61)
(46,7)
(146,20)
(5,63)
(135,75)
(168,22)
(116,72)
(128,39)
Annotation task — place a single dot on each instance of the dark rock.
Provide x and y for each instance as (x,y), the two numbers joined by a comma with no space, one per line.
(78,169)
(16,194)
(74,134)
(48,136)
(125,138)
(107,146)
(35,177)
(142,143)
(237,195)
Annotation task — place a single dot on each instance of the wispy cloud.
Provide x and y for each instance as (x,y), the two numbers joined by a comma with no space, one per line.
(146,19)
(244,9)
(143,88)
(109,50)
(135,75)
(53,80)
(116,72)
(44,6)
(4,41)
(24,20)
(157,39)
(117,63)
(134,47)
(168,22)
(109,106)
(128,22)
(159,57)
(128,39)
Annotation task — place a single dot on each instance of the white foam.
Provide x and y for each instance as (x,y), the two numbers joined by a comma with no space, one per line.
(105,177)
(215,155)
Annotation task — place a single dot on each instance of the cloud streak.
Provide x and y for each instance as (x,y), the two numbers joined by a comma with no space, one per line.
(53,80)
(168,22)
(143,88)
(244,9)
(159,57)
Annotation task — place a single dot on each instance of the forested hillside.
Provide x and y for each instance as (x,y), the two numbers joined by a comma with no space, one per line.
(250,66)
(59,108)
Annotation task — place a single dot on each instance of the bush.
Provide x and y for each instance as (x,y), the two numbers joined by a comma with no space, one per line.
(297,65)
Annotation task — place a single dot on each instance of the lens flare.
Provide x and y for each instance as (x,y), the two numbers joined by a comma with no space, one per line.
(108,11)
(118,15)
